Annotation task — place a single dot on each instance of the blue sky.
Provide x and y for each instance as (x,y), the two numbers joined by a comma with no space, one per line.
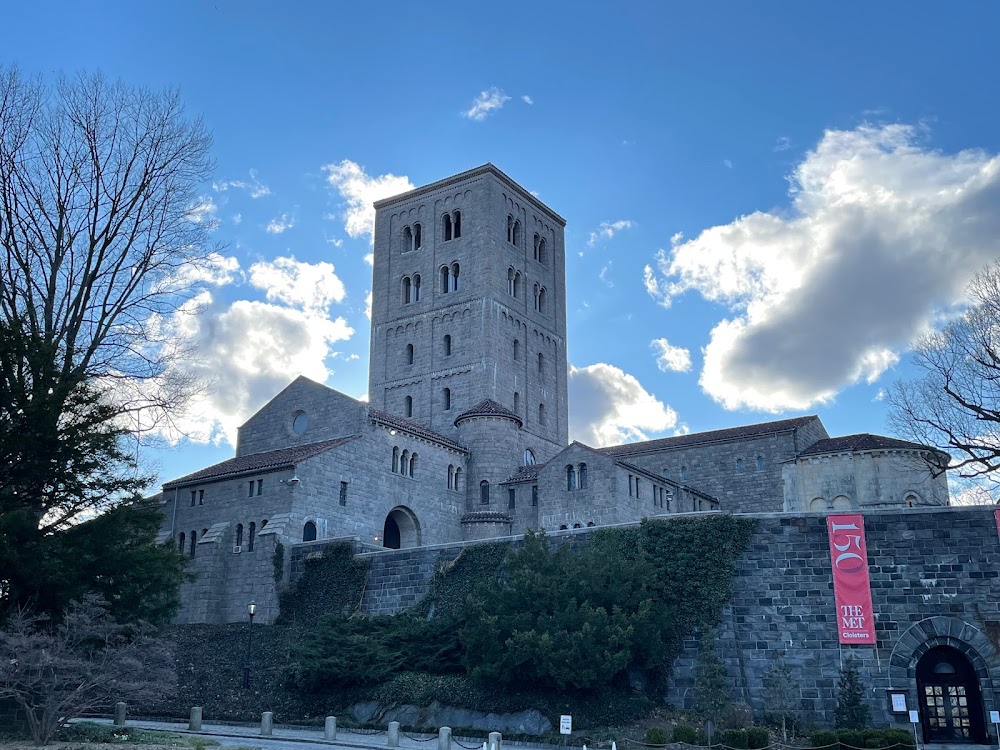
(766,202)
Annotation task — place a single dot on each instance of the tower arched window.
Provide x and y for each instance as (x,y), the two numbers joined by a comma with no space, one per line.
(309,532)
(541,251)
(458,478)
(409,354)
(445,279)
(536,290)
(417,236)
(516,233)
(404,463)
(454,277)
(446,226)
(510,228)
(395,460)
(535,246)
(413,464)
(407,239)
(180,542)
(446,398)
(447,345)
(406,290)
(517,284)
(739,466)
(541,363)
(684,473)
(416,287)
(408,406)
(760,463)
(666,472)
(529,457)
(456,221)
(517,402)
(517,350)
(194,541)
(451,476)
(582,474)
(541,299)
(510,281)
(251,536)
(484,492)
(570,477)
(541,414)
(239,535)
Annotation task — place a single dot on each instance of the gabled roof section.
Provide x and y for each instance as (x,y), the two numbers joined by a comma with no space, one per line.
(524,474)
(391,420)
(712,436)
(256,462)
(299,379)
(863,442)
(489,408)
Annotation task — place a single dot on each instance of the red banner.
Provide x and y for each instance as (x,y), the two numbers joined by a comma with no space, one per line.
(851,589)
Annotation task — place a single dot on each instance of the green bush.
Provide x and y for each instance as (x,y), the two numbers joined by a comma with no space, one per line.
(656,736)
(897,737)
(758,737)
(824,738)
(852,738)
(687,735)
(733,738)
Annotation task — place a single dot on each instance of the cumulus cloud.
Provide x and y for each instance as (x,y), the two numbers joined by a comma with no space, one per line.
(253,186)
(670,358)
(246,352)
(881,233)
(607,230)
(359,191)
(489,101)
(280,224)
(214,269)
(610,407)
(308,286)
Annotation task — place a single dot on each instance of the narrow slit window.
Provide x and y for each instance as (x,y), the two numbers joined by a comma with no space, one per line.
(408,406)
(454,277)
(446,226)
(343,496)
(445,278)
(484,492)
(446,398)
(457,224)
(534,496)
(416,287)
(447,345)
(511,498)
(251,536)
(417,238)
(409,354)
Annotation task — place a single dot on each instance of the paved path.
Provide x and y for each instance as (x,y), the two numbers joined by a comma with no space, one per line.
(288,738)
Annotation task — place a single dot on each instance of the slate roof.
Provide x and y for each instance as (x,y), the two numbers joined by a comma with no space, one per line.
(862,442)
(524,474)
(712,436)
(488,408)
(254,462)
(413,428)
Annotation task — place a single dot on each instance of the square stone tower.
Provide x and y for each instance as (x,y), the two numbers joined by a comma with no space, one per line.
(469,304)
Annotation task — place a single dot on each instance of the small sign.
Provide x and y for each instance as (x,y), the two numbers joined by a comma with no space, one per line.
(565,724)
(898,702)
(914,717)
(995,717)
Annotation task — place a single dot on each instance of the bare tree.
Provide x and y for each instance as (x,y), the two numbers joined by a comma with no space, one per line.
(84,664)
(98,234)
(955,403)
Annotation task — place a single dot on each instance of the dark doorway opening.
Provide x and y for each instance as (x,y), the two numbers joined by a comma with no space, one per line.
(390,533)
(401,529)
(951,704)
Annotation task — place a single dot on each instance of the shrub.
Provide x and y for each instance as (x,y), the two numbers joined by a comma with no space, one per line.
(738,716)
(758,737)
(897,737)
(852,711)
(733,738)
(687,735)
(823,738)
(656,736)
(851,738)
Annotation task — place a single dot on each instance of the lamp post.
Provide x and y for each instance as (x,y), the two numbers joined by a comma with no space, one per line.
(251,610)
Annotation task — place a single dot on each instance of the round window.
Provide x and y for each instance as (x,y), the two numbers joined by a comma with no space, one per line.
(300,420)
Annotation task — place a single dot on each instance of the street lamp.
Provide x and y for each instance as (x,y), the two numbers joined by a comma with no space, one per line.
(251,610)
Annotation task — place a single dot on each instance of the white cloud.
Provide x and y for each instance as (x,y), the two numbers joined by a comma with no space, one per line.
(359,191)
(783,143)
(608,229)
(307,286)
(610,406)
(280,224)
(247,352)
(603,275)
(488,102)
(204,211)
(670,358)
(727,163)
(527,99)
(253,186)
(370,259)
(214,269)
(237,219)
(335,241)
(368,304)
(882,232)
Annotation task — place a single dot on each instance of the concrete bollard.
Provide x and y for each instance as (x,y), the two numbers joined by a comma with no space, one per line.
(393,734)
(194,723)
(119,714)
(496,740)
(266,723)
(330,728)
(444,738)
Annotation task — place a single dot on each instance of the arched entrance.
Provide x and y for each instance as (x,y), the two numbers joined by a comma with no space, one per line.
(401,529)
(951,705)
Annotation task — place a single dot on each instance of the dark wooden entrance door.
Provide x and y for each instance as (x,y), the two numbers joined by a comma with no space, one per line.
(951,706)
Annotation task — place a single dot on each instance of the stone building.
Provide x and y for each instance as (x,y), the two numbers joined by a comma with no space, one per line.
(465,436)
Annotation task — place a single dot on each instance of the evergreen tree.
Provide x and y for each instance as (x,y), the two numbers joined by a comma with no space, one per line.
(852,711)
(781,694)
(711,688)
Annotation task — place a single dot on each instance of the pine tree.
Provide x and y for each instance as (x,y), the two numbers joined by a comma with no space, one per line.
(852,711)
(711,688)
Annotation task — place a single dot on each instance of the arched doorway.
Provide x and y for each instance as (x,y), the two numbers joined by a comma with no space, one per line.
(401,529)
(951,705)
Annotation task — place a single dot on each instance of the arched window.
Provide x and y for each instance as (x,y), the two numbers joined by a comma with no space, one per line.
(413,463)
(911,500)
(582,472)
(180,543)
(408,406)
(537,289)
(535,243)
(517,285)
(510,281)
(445,274)
(517,402)
(239,534)
(446,398)
(457,223)
(194,541)
(541,414)
(517,350)
(407,239)
(529,457)
(251,535)
(451,476)
(684,473)
(446,226)
(541,250)
(454,277)
(417,238)
(541,364)
(739,466)
(409,354)
(309,532)
(541,299)
(395,460)
(484,492)
(666,472)
(516,233)
(416,287)
(447,345)
(404,463)
(510,228)
(406,290)
(760,463)
(458,478)
(570,477)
